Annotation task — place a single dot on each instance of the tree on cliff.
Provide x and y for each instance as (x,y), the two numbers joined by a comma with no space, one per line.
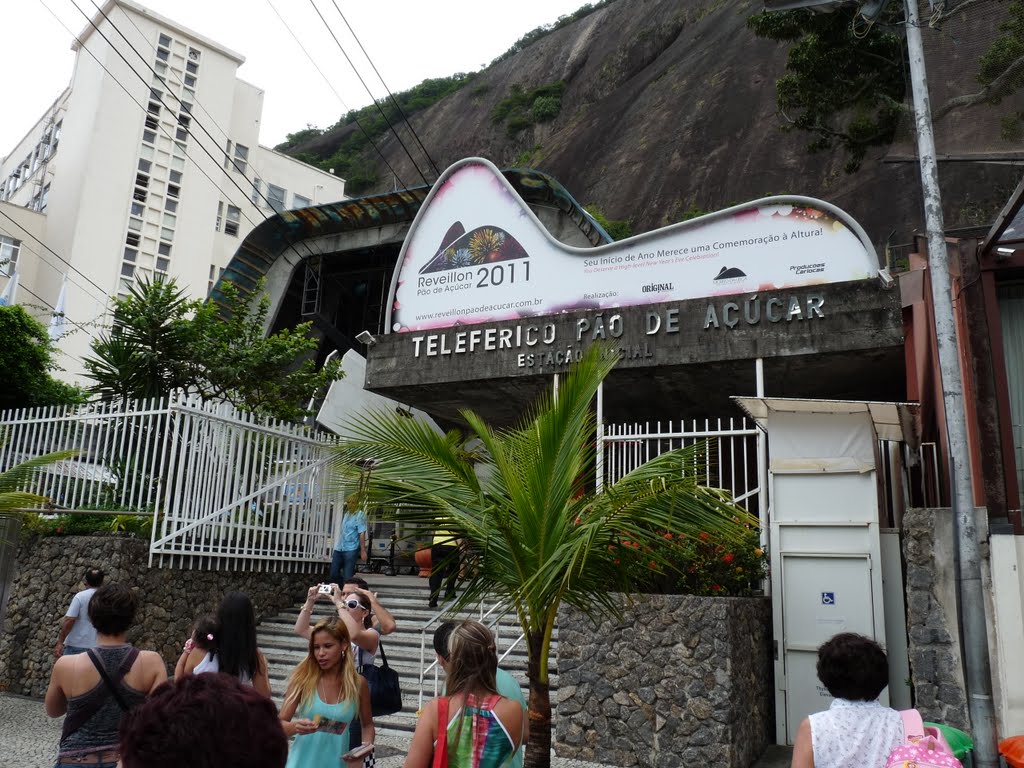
(535,531)
(843,85)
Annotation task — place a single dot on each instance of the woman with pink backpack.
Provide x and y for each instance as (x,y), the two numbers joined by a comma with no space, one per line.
(857,731)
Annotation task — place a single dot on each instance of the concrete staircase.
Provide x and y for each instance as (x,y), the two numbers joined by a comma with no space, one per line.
(406,598)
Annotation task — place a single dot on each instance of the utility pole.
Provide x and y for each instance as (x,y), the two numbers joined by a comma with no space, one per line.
(972,599)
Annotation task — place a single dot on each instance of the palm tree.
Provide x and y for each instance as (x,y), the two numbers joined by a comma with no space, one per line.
(538,533)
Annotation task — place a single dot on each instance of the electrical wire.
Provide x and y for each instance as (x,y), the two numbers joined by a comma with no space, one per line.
(177,81)
(192,119)
(370,93)
(39,256)
(138,103)
(340,100)
(62,259)
(405,117)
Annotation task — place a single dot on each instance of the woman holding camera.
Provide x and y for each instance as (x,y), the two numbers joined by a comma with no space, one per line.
(324,696)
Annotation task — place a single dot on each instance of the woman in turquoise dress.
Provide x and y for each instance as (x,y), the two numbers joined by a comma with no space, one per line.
(324,695)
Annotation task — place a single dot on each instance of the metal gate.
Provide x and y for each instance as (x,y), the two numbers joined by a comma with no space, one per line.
(735,460)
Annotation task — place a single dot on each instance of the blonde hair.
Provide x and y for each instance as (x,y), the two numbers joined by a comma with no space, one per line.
(306,676)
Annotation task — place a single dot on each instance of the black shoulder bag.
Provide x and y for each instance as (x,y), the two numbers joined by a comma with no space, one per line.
(385,687)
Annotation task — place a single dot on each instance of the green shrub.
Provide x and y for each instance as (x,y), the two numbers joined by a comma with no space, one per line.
(617,229)
(546,108)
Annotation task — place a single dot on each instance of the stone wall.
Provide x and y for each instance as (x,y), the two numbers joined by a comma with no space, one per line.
(46,576)
(934,644)
(679,681)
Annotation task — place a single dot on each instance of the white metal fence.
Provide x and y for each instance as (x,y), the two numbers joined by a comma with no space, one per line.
(226,490)
(734,460)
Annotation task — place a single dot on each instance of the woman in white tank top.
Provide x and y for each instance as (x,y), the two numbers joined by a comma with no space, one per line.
(856,731)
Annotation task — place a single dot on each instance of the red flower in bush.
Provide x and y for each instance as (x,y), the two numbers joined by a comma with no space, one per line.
(716,587)
(705,536)
(728,558)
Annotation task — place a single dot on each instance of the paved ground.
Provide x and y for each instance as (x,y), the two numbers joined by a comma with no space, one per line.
(28,739)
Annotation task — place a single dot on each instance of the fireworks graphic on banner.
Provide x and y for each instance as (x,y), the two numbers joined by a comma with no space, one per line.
(484,245)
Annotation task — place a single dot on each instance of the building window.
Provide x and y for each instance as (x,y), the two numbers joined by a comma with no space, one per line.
(127,270)
(163,54)
(227,155)
(151,123)
(162,265)
(184,120)
(256,191)
(241,158)
(132,239)
(44,199)
(153,108)
(149,136)
(181,134)
(190,81)
(232,220)
(164,249)
(275,197)
(145,166)
(171,205)
(174,177)
(298,201)
(9,249)
(193,54)
(173,190)
(166,234)
(220,216)
(192,67)
(165,40)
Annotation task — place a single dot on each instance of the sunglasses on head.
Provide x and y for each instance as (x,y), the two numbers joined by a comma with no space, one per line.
(353,602)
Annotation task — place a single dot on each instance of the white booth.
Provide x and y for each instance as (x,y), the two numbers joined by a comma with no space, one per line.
(833,568)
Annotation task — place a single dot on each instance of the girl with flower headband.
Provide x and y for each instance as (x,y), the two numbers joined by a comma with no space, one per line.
(204,637)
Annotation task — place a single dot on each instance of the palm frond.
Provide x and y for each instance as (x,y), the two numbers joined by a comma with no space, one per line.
(17,476)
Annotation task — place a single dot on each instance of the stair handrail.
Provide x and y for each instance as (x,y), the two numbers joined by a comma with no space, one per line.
(494,625)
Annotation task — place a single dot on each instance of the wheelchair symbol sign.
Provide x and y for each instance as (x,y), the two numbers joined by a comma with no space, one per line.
(828,598)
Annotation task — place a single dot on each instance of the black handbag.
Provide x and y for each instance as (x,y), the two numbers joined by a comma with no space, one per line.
(385,687)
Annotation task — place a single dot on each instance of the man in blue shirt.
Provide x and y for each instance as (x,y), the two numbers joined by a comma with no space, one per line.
(351,542)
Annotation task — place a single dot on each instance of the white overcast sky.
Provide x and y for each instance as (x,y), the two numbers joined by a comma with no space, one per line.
(408,41)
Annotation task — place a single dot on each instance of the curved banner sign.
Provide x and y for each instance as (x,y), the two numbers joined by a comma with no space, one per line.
(476,253)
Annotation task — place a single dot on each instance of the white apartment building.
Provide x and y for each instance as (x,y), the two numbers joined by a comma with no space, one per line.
(150,167)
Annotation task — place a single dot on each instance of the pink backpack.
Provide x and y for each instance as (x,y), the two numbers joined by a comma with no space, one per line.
(922,747)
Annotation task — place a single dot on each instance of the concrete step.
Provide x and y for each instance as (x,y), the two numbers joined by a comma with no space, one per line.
(407,648)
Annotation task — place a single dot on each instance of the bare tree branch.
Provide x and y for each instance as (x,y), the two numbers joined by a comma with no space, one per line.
(993,89)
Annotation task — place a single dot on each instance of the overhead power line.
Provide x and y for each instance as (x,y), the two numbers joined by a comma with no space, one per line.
(341,101)
(38,255)
(138,103)
(394,101)
(370,93)
(193,119)
(62,259)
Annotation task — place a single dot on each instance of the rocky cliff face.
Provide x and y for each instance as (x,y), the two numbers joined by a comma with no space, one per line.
(669,107)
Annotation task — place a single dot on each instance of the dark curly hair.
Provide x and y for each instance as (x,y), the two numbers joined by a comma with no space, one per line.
(112,608)
(204,721)
(442,635)
(853,667)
